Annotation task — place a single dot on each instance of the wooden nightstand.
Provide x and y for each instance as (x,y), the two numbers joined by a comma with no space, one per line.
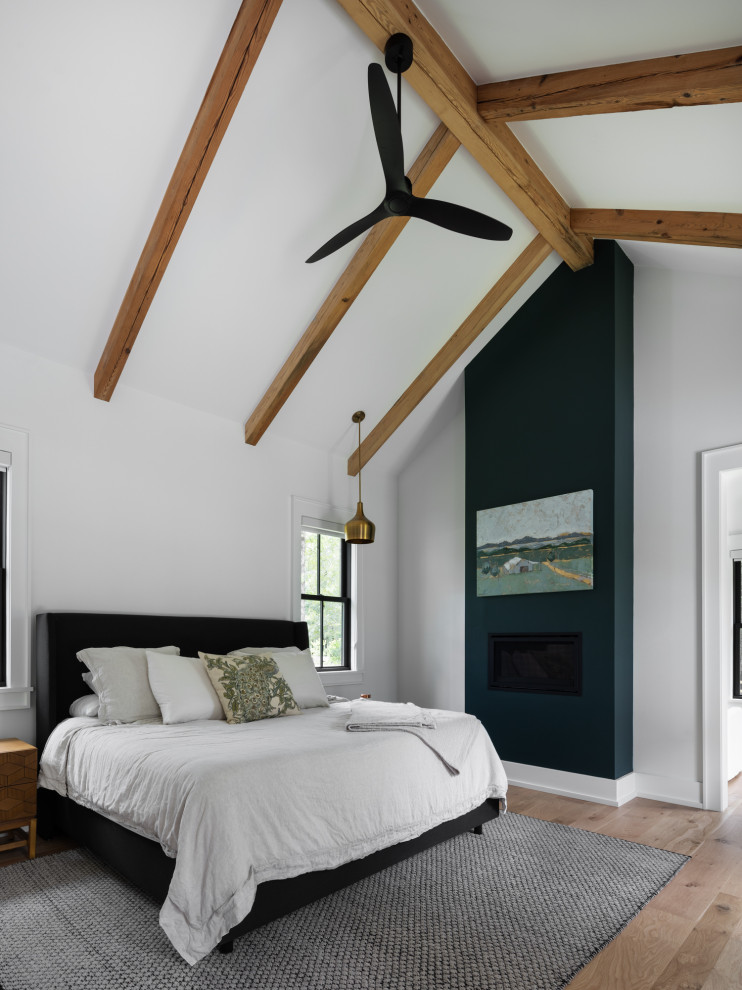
(17,795)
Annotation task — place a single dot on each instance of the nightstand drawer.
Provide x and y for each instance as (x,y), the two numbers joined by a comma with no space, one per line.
(17,780)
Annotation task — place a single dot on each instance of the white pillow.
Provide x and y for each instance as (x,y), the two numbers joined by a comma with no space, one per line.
(120,680)
(87,705)
(88,678)
(297,668)
(182,688)
(301,675)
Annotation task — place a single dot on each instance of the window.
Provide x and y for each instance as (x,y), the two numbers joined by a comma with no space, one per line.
(3,576)
(313,591)
(737,632)
(15,690)
(325,594)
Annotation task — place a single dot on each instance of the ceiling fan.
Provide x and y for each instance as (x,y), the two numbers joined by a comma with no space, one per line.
(399,200)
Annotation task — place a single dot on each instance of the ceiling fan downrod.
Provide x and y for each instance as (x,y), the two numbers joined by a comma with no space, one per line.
(398,58)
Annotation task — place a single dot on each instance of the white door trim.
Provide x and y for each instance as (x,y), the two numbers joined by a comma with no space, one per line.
(714,663)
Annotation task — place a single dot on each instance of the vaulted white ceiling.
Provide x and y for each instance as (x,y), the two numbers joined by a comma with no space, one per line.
(96,101)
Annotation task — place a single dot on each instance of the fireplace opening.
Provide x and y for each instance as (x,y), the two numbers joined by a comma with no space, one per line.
(546,663)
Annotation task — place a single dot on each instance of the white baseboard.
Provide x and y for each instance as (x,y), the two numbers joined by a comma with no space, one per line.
(670,789)
(576,785)
(602,790)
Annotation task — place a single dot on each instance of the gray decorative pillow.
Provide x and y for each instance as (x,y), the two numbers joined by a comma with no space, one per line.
(121,682)
(250,688)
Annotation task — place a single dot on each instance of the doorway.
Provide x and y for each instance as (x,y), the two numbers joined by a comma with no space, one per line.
(720,468)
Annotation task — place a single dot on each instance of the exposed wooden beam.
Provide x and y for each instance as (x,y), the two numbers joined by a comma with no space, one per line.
(452,94)
(244,44)
(666,226)
(434,157)
(478,320)
(650,84)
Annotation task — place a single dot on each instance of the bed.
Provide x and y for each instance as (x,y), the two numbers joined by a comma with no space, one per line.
(138,853)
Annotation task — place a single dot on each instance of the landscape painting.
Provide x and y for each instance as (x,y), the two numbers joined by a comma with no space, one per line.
(544,545)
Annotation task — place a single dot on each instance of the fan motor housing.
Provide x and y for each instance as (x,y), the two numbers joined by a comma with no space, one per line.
(398,53)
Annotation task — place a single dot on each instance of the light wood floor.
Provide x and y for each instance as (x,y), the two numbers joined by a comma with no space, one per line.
(690,936)
(44,847)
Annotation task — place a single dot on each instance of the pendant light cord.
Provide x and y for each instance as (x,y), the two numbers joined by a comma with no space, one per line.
(399,98)
(359,461)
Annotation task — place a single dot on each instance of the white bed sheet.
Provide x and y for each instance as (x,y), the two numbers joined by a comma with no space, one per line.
(241,804)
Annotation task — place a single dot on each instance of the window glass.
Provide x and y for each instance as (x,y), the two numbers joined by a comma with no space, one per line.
(14,625)
(332,634)
(311,613)
(330,565)
(309,563)
(325,594)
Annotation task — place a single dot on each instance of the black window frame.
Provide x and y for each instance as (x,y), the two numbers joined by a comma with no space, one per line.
(737,631)
(344,598)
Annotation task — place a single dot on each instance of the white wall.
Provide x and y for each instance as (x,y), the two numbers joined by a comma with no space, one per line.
(431,570)
(147,506)
(688,352)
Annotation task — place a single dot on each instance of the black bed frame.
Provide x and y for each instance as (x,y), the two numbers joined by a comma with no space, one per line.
(59,637)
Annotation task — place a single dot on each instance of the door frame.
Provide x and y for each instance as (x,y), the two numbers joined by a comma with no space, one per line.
(715,611)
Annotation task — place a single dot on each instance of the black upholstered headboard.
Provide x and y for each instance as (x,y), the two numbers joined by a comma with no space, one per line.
(60,635)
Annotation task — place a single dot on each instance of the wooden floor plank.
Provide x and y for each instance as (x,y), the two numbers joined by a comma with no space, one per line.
(630,824)
(682,833)
(595,818)
(693,891)
(697,956)
(733,883)
(562,810)
(639,956)
(728,969)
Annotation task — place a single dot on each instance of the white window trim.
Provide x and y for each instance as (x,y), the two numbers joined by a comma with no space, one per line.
(735,553)
(311,509)
(14,456)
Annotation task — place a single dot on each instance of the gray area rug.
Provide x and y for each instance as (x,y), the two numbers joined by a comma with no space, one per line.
(522,907)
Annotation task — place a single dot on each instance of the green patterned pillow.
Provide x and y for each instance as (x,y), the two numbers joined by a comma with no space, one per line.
(249,687)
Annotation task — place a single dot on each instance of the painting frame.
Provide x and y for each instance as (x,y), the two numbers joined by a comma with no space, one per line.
(541,546)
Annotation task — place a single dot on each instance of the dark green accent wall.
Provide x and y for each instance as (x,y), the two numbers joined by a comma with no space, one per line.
(549,410)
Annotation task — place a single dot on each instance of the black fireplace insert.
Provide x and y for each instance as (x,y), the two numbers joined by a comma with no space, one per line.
(546,663)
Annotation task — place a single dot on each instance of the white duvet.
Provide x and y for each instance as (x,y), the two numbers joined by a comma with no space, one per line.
(241,804)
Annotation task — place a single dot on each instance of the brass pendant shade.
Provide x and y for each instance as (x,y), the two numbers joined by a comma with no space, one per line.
(359,529)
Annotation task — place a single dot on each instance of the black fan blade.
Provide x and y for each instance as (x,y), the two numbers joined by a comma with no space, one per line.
(386,128)
(459,218)
(346,235)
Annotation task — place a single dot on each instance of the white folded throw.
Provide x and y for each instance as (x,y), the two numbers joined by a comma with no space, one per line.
(366,715)
(451,740)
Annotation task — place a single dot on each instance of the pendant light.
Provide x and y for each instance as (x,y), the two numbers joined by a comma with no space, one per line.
(359,529)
